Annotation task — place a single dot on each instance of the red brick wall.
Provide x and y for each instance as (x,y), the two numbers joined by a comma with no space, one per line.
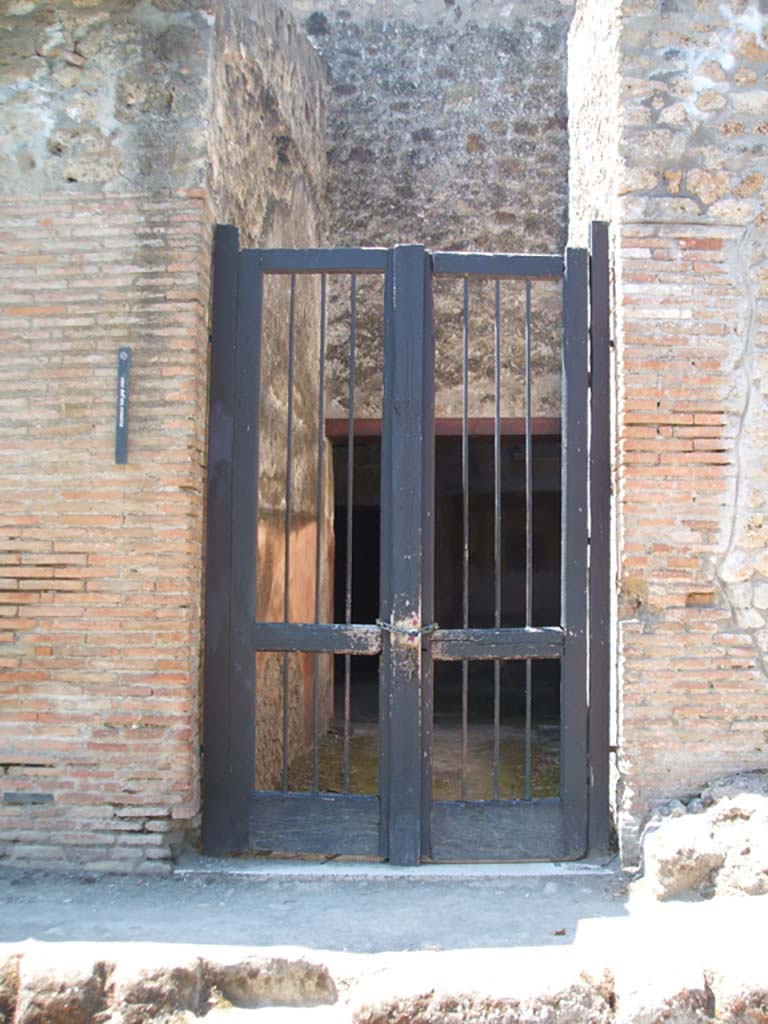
(100,564)
(693,701)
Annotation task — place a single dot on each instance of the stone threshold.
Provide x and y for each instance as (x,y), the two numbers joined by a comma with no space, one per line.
(306,869)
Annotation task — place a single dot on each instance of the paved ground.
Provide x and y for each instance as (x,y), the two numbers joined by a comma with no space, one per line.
(356,907)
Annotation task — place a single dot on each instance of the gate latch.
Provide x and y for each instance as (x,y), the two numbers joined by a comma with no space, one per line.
(412,633)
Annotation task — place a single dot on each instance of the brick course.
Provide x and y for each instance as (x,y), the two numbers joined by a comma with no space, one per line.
(101,563)
(694,702)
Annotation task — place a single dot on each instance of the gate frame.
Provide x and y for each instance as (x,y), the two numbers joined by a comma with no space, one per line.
(228,750)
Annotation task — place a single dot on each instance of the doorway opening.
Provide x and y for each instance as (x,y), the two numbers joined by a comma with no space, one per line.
(454,543)
(465,707)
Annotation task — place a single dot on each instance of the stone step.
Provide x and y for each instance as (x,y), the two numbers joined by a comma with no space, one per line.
(632,975)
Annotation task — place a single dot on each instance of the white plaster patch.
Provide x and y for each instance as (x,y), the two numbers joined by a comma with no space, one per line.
(741,596)
(751,20)
(733,211)
(702,82)
(749,619)
(736,568)
(84,108)
(721,51)
(147,15)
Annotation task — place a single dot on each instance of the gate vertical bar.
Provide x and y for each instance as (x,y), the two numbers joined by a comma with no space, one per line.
(404,425)
(573,683)
(465,536)
(245,477)
(319,535)
(350,515)
(216,821)
(496,530)
(287,522)
(599,549)
(528,538)
(428,554)
(385,561)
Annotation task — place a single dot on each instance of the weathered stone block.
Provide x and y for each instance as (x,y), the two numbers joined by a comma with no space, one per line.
(70,991)
(9,987)
(719,847)
(272,981)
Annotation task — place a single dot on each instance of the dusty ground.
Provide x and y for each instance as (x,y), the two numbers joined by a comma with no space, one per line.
(370,944)
(361,908)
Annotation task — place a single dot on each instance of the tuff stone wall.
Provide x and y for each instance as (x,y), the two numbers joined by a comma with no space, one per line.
(687,199)
(300,559)
(128,130)
(447,126)
(267,173)
(447,123)
(103,95)
(266,126)
(115,95)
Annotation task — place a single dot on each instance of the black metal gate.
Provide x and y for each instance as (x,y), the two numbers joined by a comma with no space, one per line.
(269,717)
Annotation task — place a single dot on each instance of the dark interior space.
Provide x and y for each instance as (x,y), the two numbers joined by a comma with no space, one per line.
(364,604)
(459,752)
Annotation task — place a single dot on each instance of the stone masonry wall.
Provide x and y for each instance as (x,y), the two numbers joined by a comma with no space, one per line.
(110,112)
(447,126)
(688,205)
(266,147)
(267,170)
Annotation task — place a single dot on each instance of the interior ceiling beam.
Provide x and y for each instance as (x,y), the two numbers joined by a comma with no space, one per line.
(478,426)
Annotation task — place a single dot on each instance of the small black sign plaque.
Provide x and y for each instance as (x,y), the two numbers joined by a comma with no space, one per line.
(121,413)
